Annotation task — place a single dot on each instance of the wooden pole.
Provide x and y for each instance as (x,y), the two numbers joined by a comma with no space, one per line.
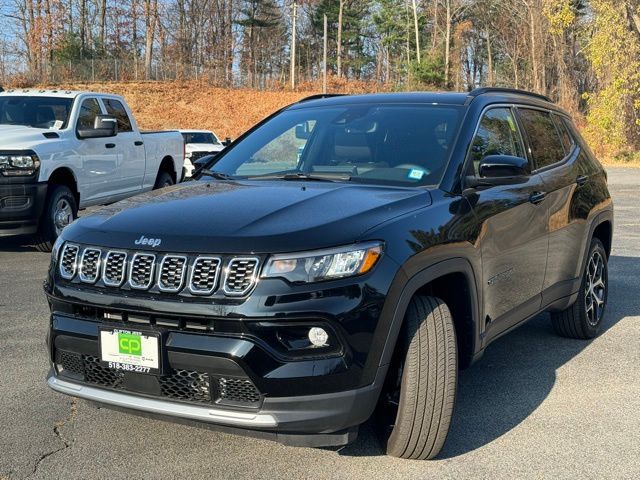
(339,59)
(293,47)
(324,60)
(415,21)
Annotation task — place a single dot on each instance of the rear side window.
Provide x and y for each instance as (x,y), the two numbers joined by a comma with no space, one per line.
(115,108)
(497,135)
(565,136)
(544,140)
(89,110)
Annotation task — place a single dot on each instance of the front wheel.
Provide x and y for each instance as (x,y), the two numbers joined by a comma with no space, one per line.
(420,391)
(60,210)
(583,319)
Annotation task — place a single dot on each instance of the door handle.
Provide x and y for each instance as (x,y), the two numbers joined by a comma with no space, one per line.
(537,197)
(138,143)
(582,180)
(110,145)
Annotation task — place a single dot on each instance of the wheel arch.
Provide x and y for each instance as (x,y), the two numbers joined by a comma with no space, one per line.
(450,280)
(65,176)
(168,165)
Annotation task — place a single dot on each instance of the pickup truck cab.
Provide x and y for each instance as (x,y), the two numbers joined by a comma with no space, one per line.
(65,150)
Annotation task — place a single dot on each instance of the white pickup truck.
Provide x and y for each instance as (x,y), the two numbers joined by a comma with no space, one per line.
(61,151)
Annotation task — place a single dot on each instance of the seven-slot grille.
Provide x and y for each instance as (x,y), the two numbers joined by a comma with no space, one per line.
(201,275)
(241,275)
(141,270)
(172,270)
(69,261)
(114,269)
(204,276)
(90,265)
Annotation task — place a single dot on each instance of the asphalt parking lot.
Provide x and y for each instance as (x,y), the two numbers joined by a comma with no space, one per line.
(536,406)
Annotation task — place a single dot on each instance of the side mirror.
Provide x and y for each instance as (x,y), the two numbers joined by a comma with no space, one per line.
(204,161)
(226,142)
(303,131)
(503,166)
(104,126)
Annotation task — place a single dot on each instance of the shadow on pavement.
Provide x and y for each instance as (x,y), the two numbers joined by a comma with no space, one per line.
(516,374)
(21,243)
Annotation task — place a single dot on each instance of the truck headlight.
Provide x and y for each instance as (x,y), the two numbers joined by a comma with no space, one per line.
(328,264)
(19,164)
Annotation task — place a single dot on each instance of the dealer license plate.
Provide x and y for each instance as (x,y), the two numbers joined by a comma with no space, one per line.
(129,350)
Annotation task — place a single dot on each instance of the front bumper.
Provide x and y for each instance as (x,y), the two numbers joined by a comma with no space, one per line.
(21,204)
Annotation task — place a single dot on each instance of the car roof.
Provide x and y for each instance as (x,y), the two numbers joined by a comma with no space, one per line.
(61,93)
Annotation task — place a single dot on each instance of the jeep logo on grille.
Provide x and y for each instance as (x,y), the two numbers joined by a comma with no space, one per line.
(152,242)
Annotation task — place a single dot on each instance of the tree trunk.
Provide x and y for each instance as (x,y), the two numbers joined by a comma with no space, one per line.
(447,48)
(103,22)
(434,35)
(489,59)
(415,21)
(150,10)
(339,47)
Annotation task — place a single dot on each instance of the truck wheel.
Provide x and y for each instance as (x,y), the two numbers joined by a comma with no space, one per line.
(421,389)
(583,319)
(60,210)
(164,180)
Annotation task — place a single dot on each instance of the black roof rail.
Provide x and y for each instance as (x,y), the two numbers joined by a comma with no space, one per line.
(320,96)
(480,91)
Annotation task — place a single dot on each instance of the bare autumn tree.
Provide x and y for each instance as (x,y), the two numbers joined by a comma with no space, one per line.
(150,19)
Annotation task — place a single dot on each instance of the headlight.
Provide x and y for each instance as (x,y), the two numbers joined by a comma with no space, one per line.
(18,164)
(324,264)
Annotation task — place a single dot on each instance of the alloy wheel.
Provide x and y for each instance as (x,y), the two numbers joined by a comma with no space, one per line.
(62,215)
(595,294)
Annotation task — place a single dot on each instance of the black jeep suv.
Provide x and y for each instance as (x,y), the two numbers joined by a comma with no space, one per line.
(346,256)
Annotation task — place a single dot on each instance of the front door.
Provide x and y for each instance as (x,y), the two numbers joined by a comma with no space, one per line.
(513,240)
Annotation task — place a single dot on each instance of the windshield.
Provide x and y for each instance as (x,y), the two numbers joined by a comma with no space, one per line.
(394,144)
(36,112)
(199,137)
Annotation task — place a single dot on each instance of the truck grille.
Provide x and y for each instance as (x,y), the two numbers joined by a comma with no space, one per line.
(90,265)
(69,261)
(141,271)
(172,271)
(197,275)
(240,276)
(114,269)
(204,276)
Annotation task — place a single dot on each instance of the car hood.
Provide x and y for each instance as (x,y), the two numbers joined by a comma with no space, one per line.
(203,147)
(17,137)
(247,216)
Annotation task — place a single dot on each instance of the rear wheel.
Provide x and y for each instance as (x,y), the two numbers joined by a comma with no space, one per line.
(60,210)
(164,180)
(417,403)
(583,319)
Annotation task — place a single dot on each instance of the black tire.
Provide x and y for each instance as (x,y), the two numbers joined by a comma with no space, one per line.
(428,381)
(583,319)
(164,180)
(60,210)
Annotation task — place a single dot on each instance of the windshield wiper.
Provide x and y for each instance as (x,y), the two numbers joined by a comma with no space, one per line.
(300,176)
(214,174)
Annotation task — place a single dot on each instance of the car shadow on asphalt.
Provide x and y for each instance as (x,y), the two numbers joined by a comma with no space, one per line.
(516,374)
(17,244)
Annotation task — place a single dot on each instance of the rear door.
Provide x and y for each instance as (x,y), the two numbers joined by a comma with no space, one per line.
(556,156)
(513,239)
(130,146)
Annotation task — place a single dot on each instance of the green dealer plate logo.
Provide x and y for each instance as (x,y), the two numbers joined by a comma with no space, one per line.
(129,344)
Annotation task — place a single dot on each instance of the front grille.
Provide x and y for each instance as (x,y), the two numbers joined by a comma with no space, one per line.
(183,385)
(204,276)
(172,270)
(90,265)
(160,273)
(69,261)
(238,390)
(114,269)
(141,270)
(241,276)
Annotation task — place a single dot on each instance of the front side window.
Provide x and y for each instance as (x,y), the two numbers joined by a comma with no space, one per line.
(116,109)
(497,135)
(89,110)
(394,144)
(544,141)
(35,112)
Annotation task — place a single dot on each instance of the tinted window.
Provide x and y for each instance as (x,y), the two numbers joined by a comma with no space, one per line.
(565,136)
(199,137)
(115,108)
(497,135)
(544,141)
(384,144)
(88,112)
(36,112)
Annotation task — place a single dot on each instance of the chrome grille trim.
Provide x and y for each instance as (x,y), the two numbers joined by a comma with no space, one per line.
(169,285)
(197,277)
(146,262)
(242,271)
(117,265)
(89,271)
(69,261)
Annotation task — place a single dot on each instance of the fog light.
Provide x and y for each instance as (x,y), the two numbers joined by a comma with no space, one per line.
(318,337)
